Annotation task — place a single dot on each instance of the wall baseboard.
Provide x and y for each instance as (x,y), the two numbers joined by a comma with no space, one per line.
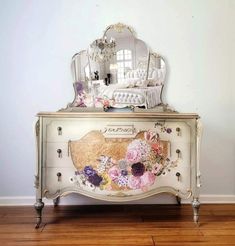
(75,199)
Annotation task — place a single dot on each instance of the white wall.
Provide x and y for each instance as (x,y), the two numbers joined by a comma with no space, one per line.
(38,39)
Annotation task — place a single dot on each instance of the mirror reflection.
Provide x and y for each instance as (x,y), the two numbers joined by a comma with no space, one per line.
(80,67)
(156,70)
(117,56)
(118,70)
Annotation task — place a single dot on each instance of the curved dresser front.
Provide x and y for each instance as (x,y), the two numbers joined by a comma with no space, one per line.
(117,156)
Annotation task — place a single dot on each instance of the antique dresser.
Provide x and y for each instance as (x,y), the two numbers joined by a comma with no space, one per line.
(117,141)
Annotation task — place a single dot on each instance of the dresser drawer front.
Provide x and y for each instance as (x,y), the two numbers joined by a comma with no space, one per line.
(104,155)
(63,130)
(57,155)
(56,180)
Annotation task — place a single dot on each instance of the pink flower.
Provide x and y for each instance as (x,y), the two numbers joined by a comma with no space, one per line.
(133,156)
(134,182)
(147,179)
(114,173)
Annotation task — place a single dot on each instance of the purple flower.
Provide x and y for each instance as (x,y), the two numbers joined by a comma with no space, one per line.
(124,172)
(79,87)
(137,169)
(168,130)
(95,179)
(122,181)
(89,171)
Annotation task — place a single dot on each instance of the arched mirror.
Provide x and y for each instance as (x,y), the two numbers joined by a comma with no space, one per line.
(130,54)
(118,70)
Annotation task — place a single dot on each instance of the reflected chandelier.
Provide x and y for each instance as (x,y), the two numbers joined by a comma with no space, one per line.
(101,50)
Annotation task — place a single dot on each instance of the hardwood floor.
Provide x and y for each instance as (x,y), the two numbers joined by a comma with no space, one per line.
(118,225)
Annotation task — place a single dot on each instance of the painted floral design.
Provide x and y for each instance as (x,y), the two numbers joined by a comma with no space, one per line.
(137,151)
(144,161)
(137,169)
(104,102)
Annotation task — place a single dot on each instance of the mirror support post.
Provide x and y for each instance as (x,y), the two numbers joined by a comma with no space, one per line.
(147,73)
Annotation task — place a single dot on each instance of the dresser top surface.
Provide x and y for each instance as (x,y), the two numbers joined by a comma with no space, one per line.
(165,115)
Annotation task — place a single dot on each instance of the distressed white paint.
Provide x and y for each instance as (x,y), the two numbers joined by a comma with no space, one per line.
(38,39)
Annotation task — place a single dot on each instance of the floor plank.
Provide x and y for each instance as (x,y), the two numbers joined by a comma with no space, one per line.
(150,225)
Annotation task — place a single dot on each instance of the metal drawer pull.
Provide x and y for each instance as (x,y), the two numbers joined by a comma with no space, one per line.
(59,129)
(178,131)
(178,176)
(59,176)
(178,153)
(59,151)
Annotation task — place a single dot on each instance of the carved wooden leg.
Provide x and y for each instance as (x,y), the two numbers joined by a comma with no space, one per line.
(38,206)
(178,199)
(196,206)
(56,201)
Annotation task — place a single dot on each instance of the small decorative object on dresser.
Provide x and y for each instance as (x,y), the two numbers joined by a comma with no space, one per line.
(120,155)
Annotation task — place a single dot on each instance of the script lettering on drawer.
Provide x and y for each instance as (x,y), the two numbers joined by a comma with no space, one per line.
(129,159)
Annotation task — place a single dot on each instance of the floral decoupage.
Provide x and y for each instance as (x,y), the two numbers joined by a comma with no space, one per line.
(85,99)
(120,164)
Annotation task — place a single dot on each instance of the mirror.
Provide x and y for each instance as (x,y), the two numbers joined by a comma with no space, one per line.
(156,70)
(131,53)
(116,54)
(80,67)
(118,70)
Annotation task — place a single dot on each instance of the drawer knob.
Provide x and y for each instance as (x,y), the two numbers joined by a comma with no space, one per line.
(178,131)
(59,176)
(59,129)
(178,176)
(59,151)
(178,152)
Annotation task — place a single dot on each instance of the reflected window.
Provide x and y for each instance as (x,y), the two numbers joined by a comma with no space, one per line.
(124,62)
(87,72)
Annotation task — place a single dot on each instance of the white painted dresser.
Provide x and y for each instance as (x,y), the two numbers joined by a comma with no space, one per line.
(117,156)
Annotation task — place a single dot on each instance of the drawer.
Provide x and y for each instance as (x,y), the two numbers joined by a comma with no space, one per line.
(63,130)
(57,155)
(56,179)
(64,179)
(171,178)
(163,182)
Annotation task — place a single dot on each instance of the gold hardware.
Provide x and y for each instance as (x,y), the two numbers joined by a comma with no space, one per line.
(68,150)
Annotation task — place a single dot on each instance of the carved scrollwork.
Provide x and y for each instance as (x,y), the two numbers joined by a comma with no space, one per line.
(119,27)
(36,181)
(37,127)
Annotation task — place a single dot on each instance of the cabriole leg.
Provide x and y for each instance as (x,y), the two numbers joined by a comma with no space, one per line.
(56,201)
(38,206)
(196,206)
(178,199)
